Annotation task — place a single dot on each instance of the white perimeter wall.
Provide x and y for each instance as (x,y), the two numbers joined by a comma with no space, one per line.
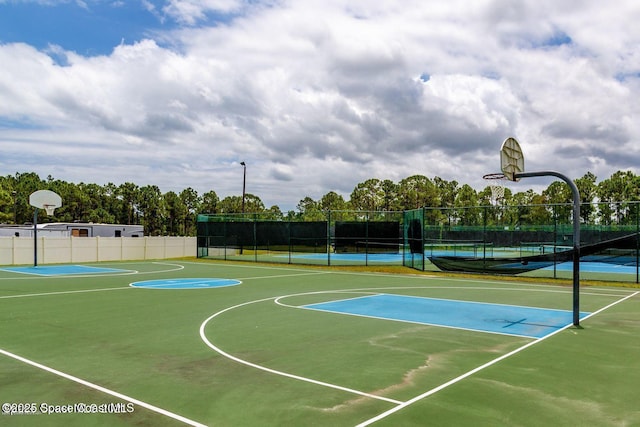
(62,250)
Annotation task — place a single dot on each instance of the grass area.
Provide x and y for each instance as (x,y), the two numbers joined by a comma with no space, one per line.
(145,345)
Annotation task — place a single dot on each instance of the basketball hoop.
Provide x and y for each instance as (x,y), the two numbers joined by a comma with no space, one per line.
(496,185)
(45,199)
(49,209)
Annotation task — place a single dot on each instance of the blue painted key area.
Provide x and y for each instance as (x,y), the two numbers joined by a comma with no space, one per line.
(63,270)
(476,316)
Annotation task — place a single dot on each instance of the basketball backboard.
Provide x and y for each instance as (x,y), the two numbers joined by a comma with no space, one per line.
(45,199)
(511,159)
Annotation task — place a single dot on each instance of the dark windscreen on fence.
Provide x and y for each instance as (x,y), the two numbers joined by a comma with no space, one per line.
(370,237)
(524,239)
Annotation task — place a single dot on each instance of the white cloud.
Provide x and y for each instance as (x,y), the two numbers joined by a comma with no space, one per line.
(317,96)
(191,12)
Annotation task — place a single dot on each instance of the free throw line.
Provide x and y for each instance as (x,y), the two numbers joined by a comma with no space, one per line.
(479,368)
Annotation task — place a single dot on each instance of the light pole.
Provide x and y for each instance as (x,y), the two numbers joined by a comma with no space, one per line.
(244,183)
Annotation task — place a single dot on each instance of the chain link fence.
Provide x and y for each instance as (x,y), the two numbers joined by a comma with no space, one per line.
(531,240)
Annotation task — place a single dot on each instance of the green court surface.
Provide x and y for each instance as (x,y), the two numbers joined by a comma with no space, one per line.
(239,344)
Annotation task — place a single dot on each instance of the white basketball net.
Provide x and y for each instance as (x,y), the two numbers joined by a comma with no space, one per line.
(49,209)
(496,184)
(497,192)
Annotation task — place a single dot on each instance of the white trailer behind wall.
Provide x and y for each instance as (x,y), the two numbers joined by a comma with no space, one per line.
(73,229)
(77,229)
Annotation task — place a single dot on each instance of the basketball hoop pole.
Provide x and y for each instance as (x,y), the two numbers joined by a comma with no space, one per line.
(35,237)
(576,236)
(42,199)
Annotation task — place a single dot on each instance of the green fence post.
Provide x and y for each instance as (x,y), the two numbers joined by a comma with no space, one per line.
(290,245)
(637,205)
(329,237)
(255,237)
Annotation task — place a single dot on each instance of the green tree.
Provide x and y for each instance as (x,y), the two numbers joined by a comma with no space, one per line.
(309,210)
(96,196)
(25,184)
(152,210)
(332,201)
(112,203)
(253,204)
(588,192)
(616,191)
(517,210)
(445,198)
(417,191)
(8,197)
(274,213)
(540,214)
(230,204)
(75,202)
(101,215)
(129,195)
(466,204)
(389,195)
(210,202)
(559,194)
(233,204)
(368,196)
(447,191)
(176,212)
(485,196)
(192,202)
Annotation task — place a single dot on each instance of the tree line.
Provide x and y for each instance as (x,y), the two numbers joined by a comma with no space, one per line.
(174,213)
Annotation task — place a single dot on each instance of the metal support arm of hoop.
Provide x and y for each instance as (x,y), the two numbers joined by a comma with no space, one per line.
(576,234)
(512,165)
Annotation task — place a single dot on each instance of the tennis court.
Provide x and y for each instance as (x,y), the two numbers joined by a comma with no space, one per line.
(238,344)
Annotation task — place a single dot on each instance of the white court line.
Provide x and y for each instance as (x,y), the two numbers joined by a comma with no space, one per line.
(180,267)
(72,276)
(479,368)
(277,300)
(528,286)
(104,390)
(367,295)
(273,371)
(399,403)
(372,294)
(106,271)
(611,305)
(62,293)
(279,276)
(184,284)
(132,287)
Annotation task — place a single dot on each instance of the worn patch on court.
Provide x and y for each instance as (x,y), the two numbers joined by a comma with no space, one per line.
(192,283)
(63,270)
(520,321)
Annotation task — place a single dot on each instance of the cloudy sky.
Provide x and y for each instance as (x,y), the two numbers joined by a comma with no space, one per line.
(315,95)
